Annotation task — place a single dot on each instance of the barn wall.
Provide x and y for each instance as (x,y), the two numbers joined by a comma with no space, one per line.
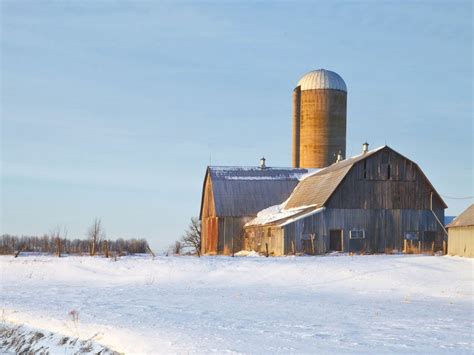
(385,180)
(258,238)
(231,234)
(209,221)
(384,229)
(208,207)
(461,241)
(209,235)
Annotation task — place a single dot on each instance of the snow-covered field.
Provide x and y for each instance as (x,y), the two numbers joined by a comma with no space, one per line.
(379,303)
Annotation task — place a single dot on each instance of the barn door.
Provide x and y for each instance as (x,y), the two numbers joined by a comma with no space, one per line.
(335,239)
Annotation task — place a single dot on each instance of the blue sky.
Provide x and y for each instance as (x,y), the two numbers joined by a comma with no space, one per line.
(114,109)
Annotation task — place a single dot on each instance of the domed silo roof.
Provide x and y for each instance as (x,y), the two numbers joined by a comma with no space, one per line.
(322,79)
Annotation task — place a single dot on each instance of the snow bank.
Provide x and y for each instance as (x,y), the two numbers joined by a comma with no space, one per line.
(363,304)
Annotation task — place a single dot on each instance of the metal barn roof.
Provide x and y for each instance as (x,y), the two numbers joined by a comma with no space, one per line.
(322,79)
(465,219)
(316,189)
(244,191)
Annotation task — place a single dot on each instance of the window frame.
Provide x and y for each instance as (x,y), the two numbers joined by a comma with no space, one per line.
(356,230)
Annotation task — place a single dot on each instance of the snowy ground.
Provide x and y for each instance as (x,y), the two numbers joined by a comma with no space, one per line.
(324,304)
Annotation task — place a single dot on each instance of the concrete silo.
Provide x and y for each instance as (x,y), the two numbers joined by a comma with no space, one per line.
(319,119)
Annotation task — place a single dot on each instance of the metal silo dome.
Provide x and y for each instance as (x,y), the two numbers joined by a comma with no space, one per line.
(322,79)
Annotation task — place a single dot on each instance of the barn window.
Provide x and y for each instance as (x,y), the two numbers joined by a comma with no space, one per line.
(411,235)
(357,234)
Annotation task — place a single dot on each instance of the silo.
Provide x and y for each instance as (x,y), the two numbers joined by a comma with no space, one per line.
(319,119)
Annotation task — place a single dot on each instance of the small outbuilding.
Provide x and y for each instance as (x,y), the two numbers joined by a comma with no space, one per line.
(461,234)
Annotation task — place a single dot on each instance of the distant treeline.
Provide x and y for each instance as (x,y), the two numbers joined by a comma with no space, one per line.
(10,244)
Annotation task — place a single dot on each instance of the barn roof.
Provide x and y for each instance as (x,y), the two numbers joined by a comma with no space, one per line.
(465,219)
(317,188)
(244,191)
(314,190)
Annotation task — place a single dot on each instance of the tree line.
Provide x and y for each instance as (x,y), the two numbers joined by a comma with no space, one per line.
(96,242)
(11,244)
(56,242)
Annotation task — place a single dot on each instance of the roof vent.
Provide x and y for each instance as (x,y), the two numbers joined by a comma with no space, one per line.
(339,157)
(365,148)
(262,163)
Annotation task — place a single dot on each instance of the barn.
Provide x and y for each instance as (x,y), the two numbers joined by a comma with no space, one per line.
(378,201)
(461,234)
(232,196)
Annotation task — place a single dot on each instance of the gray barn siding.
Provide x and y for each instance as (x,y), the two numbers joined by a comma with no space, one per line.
(384,229)
(231,234)
(407,187)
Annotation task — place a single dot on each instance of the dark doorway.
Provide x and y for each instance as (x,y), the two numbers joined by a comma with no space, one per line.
(428,242)
(335,239)
(308,242)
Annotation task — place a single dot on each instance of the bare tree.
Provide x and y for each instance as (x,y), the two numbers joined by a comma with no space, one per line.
(192,237)
(176,248)
(95,235)
(57,236)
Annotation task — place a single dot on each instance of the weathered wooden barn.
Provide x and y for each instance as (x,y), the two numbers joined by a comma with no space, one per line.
(461,234)
(378,201)
(232,196)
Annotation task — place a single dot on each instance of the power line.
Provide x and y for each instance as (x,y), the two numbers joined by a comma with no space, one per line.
(457,198)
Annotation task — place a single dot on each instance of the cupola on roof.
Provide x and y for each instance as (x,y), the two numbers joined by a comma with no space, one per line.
(322,79)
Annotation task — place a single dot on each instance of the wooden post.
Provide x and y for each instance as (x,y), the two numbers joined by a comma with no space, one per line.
(312,243)
(405,246)
(20,250)
(266,248)
(149,250)
(58,247)
(293,246)
(444,247)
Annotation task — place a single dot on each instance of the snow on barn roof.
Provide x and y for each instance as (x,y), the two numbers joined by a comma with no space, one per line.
(244,191)
(465,219)
(322,79)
